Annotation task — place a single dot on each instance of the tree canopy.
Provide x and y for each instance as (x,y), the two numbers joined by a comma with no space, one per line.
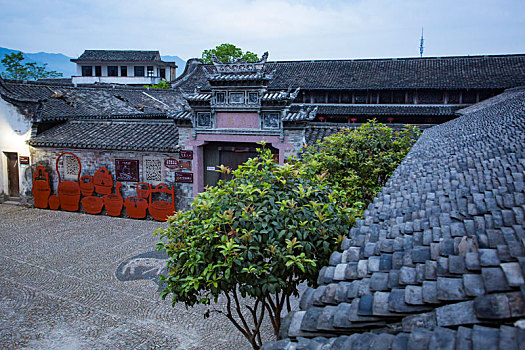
(258,235)
(228,53)
(15,69)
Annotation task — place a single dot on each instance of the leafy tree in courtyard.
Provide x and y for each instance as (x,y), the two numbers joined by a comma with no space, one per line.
(357,163)
(258,235)
(30,70)
(227,53)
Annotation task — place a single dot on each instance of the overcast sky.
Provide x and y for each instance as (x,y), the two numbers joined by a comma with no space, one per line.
(301,29)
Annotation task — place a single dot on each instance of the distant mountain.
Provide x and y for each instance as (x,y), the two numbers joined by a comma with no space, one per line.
(62,64)
(55,61)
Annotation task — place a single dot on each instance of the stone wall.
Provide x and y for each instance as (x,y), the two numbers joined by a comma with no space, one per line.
(92,160)
(296,137)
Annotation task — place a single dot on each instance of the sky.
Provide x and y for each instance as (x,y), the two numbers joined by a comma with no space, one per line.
(287,29)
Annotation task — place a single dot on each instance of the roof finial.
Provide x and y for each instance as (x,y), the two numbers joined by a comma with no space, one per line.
(421,47)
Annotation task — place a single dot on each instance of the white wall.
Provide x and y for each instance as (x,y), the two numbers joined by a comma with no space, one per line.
(15,130)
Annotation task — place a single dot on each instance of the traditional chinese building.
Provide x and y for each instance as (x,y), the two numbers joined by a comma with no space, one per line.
(122,67)
(218,113)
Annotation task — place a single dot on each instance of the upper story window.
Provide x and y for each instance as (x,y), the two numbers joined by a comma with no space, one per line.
(253,97)
(220,97)
(236,97)
(87,71)
(139,71)
(151,72)
(204,120)
(123,71)
(112,71)
(98,71)
(271,120)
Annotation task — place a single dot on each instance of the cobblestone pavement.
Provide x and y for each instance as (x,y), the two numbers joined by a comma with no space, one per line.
(58,288)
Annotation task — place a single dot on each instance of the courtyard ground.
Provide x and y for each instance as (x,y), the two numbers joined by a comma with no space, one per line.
(77,281)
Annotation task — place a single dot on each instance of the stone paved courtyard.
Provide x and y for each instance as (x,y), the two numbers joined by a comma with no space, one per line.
(58,288)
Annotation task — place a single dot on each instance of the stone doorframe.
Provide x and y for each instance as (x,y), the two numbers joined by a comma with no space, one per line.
(202,139)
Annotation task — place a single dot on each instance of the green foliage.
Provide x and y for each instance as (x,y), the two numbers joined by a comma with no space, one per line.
(357,163)
(228,53)
(161,85)
(30,70)
(260,234)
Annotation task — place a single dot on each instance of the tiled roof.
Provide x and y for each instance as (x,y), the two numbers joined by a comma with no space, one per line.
(111,135)
(180,115)
(119,55)
(68,102)
(466,72)
(198,96)
(384,109)
(439,257)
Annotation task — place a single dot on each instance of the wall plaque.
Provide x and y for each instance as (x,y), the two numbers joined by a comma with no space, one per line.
(184,177)
(185,164)
(186,154)
(152,169)
(127,170)
(24,160)
(171,163)
(227,120)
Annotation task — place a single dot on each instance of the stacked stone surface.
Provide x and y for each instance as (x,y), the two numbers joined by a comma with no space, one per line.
(438,259)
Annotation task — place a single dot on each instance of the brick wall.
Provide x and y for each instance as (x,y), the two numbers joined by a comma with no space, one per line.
(92,160)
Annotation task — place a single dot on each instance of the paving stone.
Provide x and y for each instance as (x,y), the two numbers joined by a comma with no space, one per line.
(485,337)
(508,338)
(517,303)
(339,272)
(401,342)
(456,264)
(379,281)
(396,303)
(385,262)
(494,279)
(351,271)
(442,266)
(450,288)
(419,339)
(365,305)
(328,296)
(430,270)
(407,275)
(473,284)
(414,295)
(456,314)
(393,279)
(429,292)
(362,268)
(492,306)
(335,258)
(373,264)
(513,274)
(457,229)
(310,318)
(341,292)
(326,318)
(472,261)
(380,304)
(382,341)
(489,257)
(420,254)
(341,319)
(443,338)
(353,290)
(464,338)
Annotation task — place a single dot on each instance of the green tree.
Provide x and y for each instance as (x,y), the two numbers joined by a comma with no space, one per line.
(228,53)
(30,70)
(160,85)
(357,163)
(258,235)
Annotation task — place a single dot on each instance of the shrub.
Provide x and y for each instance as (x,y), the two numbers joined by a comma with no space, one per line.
(357,163)
(258,235)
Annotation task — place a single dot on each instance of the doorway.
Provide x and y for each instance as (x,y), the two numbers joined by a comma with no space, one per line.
(231,155)
(12,174)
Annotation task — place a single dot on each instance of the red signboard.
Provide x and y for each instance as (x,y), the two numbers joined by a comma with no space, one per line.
(185,165)
(186,154)
(24,160)
(184,177)
(127,170)
(171,163)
